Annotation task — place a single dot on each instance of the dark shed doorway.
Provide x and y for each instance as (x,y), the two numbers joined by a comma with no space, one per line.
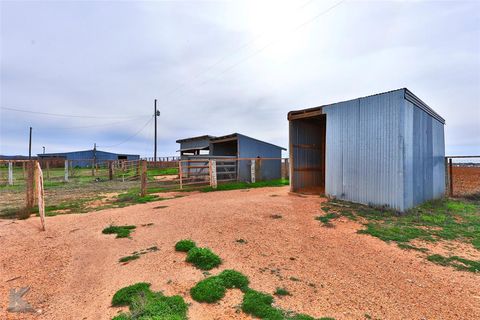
(307,151)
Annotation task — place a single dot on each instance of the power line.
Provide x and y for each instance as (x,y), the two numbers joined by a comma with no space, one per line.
(65,115)
(132,136)
(219,61)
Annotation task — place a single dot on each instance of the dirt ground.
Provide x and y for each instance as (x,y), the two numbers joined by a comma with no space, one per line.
(466,180)
(73,268)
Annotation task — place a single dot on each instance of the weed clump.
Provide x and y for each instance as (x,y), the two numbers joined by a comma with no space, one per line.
(234,279)
(145,304)
(121,231)
(124,296)
(128,258)
(281,292)
(203,258)
(208,290)
(185,245)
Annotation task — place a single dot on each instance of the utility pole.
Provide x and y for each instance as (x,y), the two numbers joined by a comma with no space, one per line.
(30,146)
(156,113)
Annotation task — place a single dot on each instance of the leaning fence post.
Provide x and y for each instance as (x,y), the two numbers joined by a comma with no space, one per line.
(40,193)
(213,173)
(143,179)
(10,173)
(66,171)
(252,171)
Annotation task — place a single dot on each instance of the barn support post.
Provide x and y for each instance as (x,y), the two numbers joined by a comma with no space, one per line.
(10,173)
(66,171)
(30,189)
(450,169)
(252,171)
(143,179)
(212,166)
(258,169)
(93,168)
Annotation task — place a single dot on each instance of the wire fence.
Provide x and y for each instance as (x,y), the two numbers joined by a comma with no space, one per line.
(463,176)
(82,185)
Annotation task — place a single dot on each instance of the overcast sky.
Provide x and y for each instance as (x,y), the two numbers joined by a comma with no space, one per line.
(219,67)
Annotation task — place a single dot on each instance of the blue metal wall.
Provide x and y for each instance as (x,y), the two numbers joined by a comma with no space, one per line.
(252,148)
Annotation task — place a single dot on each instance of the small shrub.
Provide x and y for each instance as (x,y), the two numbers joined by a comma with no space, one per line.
(185,245)
(234,279)
(208,290)
(124,296)
(281,292)
(203,258)
(121,231)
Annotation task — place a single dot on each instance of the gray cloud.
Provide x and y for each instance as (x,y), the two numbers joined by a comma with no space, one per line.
(113,58)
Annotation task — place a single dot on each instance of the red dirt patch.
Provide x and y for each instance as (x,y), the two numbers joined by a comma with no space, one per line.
(342,274)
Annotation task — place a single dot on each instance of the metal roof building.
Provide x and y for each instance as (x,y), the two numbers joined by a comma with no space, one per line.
(85,158)
(386,149)
(235,146)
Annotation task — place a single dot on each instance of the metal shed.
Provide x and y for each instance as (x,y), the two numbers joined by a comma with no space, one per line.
(238,148)
(386,149)
(85,158)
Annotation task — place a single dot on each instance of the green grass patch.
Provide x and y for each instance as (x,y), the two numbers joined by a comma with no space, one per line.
(395,232)
(161,172)
(406,246)
(135,197)
(208,290)
(327,218)
(124,296)
(456,262)
(259,304)
(234,279)
(281,292)
(185,245)
(128,258)
(203,258)
(121,231)
(147,305)
(246,185)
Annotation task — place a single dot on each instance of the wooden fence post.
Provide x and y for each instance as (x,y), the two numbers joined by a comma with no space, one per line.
(48,169)
(66,171)
(258,169)
(10,173)
(23,168)
(213,173)
(143,188)
(180,173)
(450,168)
(40,193)
(29,189)
(252,171)
(110,170)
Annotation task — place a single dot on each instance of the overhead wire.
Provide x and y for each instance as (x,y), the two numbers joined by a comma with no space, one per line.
(66,115)
(132,136)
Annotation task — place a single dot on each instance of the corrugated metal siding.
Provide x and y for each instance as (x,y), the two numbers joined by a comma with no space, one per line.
(251,148)
(364,160)
(424,156)
(195,144)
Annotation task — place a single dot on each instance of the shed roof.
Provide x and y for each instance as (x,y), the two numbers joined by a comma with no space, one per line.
(408,95)
(235,135)
(80,151)
(204,137)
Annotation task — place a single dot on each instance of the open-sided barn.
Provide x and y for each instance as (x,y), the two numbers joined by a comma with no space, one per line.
(85,158)
(386,149)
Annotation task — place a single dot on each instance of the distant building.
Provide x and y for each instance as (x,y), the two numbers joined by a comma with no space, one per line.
(386,149)
(85,158)
(237,147)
